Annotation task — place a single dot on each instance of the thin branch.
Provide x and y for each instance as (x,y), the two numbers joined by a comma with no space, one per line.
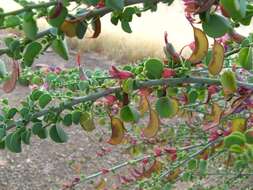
(189,158)
(134,161)
(139,85)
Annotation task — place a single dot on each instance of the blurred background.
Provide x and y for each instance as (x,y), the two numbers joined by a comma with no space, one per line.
(146,39)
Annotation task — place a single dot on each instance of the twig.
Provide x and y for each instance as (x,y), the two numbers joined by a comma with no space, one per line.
(189,158)
(131,162)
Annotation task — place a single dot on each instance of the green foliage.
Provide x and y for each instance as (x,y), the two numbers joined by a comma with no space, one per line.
(162,88)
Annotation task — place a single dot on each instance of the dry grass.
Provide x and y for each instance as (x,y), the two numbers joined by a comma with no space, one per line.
(146,39)
(118,47)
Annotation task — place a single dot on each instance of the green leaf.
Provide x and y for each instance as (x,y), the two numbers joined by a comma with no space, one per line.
(43,133)
(228,82)
(60,47)
(235,8)
(44,100)
(83,85)
(11,113)
(87,122)
(166,107)
(128,86)
(26,136)
(192,164)
(25,113)
(13,142)
(128,13)
(30,29)
(115,4)
(211,28)
(126,26)
(167,186)
(245,58)
(67,120)
(76,116)
(192,96)
(57,134)
(36,94)
(57,22)
(129,114)
(2,133)
(202,167)
(31,51)
(81,29)
(12,21)
(36,128)
(153,68)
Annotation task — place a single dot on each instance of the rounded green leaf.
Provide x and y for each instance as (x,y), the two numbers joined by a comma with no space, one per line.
(166,107)
(57,22)
(26,136)
(81,29)
(128,85)
(235,8)
(36,94)
(153,68)
(228,82)
(44,100)
(245,58)
(30,28)
(57,134)
(43,133)
(31,51)
(76,115)
(216,26)
(129,114)
(60,47)
(67,120)
(87,122)
(13,142)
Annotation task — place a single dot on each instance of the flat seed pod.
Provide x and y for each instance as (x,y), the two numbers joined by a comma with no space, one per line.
(118,131)
(153,125)
(216,64)
(143,105)
(10,84)
(155,168)
(201,46)
(96,27)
